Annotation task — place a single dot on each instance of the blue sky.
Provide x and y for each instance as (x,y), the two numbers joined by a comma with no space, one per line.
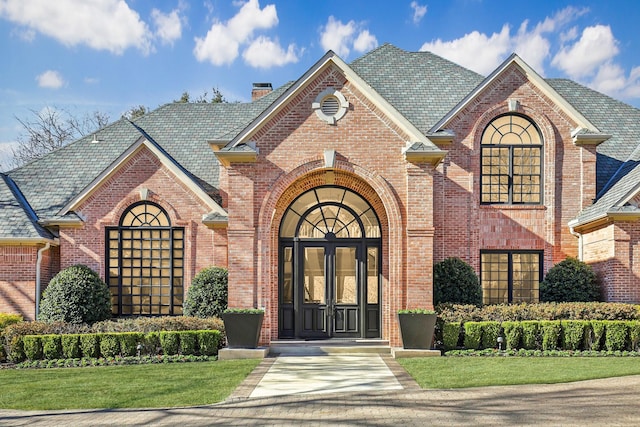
(110,55)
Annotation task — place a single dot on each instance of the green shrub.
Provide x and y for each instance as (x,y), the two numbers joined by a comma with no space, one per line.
(157,324)
(109,344)
(538,311)
(634,334)
(151,343)
(32,347)
(570,280)
(51,347)
(70,346)
(550,334)
(490,334)
(129,343)
(7,319)
(451,335)
(597,334)
(170,342)
(207,295)
(209,342)
(512,334)
(16,349)
(530,334)
(616,335)
(454,281)
(573,334)
(90,345)
(188,342)
(76,295)
(472,335)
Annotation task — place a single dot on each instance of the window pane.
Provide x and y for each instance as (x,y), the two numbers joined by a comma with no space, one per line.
(346,289)
(372,276)
(287,276)
(494,278)
(314,278)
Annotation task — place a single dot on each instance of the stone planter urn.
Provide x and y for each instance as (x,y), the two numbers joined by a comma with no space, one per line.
(417,328)
(242,327)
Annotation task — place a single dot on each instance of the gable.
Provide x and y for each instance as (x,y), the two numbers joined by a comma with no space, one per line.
(163,159)
(334,74)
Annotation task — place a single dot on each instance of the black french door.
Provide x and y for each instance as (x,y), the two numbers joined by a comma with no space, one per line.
(334,293)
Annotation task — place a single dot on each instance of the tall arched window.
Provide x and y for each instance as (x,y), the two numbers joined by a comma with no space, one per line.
(145,262)
(511,161)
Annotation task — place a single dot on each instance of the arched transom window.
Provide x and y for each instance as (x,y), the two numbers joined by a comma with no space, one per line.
(511,161)
(330,212)
(145,262)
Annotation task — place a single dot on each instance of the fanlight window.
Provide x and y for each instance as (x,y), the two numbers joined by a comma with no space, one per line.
(511,161)
(330,212)
(145,262)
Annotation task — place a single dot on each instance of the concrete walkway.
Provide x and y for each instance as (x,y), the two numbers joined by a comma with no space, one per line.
(365,395)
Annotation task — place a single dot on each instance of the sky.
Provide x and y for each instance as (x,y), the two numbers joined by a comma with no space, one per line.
(81,56)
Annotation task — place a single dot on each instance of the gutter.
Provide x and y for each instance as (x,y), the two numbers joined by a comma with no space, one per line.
(580,243)
(38,276)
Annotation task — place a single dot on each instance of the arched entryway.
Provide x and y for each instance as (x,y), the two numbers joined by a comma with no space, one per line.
(329,266)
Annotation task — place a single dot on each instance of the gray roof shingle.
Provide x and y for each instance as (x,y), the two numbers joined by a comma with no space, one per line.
(17,220)
(420,85)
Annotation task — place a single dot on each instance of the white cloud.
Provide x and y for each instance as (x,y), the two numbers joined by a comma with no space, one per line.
(221,44)
(103,25)
(418,11)
(168,25)
(483,53)
(365,42)
(266,53)
(341,38)
(596,47)
(50,79)
(476,51)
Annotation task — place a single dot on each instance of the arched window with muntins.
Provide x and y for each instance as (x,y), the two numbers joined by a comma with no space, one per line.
(511,161)
(145,260)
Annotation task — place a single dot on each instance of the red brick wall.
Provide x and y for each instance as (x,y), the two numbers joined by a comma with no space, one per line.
(18,277)
(613,250)
(463,226)
(369,161)
(86,244)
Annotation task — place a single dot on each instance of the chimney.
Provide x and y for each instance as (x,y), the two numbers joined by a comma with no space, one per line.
(260,89)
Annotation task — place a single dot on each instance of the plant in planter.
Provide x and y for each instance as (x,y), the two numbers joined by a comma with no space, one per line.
(242,326)
(417,327)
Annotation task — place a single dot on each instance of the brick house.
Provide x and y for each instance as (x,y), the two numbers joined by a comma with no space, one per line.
(329,199)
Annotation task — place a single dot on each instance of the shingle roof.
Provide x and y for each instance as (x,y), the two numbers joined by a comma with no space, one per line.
(420,85)
(611,116)
(16,217)
(181,129)
(423,87)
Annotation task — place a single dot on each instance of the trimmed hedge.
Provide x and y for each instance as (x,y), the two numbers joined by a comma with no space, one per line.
(546,335)
(112,344)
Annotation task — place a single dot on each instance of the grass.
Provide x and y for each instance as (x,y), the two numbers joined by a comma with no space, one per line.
(461,372)
(136,386)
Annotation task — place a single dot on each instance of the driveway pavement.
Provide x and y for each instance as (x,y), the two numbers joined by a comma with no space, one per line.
(607,402)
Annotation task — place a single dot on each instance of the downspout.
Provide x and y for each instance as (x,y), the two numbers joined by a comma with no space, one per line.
(38,287)
(580,243)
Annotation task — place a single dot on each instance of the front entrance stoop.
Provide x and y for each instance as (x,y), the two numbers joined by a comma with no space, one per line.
(331,346)
(242,353)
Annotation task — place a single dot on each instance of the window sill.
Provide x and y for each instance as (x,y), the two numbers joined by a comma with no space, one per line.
(514,207)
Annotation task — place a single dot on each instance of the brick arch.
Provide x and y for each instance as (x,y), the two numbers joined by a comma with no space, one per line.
(542,122)
(372,187)
(113,219)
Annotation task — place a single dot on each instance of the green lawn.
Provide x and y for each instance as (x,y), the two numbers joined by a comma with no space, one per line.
(460,372)
(136,386)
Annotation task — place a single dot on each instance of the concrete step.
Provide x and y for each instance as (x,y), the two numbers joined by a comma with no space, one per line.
(322,347)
